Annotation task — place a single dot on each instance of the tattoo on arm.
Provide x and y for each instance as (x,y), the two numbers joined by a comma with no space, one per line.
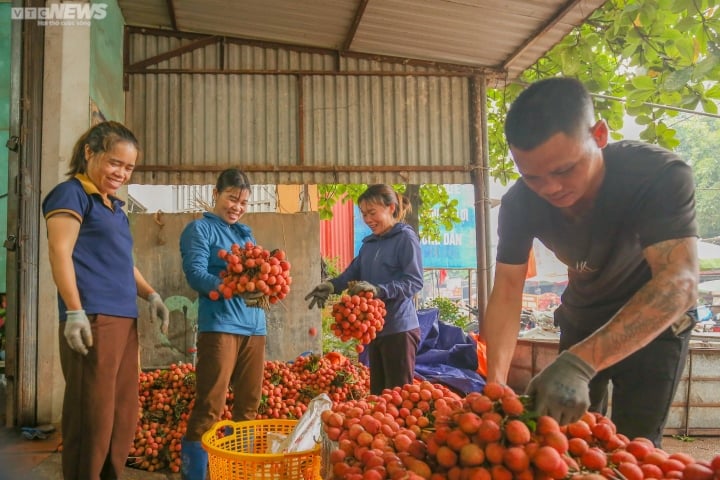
(660,302)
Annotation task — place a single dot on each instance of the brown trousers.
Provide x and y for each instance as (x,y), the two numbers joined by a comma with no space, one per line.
(226,359)
(100,406)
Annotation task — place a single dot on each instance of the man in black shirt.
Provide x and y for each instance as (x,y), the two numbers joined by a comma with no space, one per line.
(621,216)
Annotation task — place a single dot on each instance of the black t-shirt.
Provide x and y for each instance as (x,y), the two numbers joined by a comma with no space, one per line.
(647,196)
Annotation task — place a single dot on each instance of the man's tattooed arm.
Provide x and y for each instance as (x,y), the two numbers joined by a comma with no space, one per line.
(655,307)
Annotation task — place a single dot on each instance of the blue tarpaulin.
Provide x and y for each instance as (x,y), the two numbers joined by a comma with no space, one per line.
(446,354)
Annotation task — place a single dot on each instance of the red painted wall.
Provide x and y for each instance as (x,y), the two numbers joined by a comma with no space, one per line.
(336,235)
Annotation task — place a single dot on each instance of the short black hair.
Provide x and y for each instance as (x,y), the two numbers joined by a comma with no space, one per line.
(232,178)
(548,107)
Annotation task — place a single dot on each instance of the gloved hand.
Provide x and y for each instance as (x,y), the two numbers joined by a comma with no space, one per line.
(77,331)
(157,307)
(561,389)
(363,286)
(320,294)
(252,299)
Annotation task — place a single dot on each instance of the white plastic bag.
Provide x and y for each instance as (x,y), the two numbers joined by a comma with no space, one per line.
(306,434)
(275,442)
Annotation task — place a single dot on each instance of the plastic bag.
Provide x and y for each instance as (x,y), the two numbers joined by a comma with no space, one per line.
(306,434)
(481,354)
(275,442)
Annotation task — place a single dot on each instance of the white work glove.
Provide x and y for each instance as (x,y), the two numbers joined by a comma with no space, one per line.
(320,294)
(561,389)
(158,308)
(77,331)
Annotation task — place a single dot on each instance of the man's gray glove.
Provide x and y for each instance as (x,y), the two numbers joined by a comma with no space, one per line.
(252,299)
(561,389)
(320,294)
(77,331)
(363,286)
(158,308)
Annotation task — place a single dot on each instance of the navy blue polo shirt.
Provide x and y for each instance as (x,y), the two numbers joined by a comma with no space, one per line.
(102,256)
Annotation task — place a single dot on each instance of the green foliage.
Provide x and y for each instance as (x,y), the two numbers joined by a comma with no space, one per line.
(449,312)
(333,193)
(436,210)
(331,343)
(331,268)
(699,138)
(632,50)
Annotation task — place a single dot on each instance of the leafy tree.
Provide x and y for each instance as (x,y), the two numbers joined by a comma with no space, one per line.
(647,60)
(699,140)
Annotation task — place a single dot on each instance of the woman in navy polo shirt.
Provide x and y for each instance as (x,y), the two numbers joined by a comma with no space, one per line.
(90,250)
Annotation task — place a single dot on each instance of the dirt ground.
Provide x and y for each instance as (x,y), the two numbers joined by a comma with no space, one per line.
(701,448)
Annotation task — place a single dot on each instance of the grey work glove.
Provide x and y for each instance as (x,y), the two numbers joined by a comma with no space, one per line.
(158,308)
(77,331)
(252,299)
(363,286)
(320,294)
(561,389)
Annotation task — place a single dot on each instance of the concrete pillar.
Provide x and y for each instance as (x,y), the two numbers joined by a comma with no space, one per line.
(66,115)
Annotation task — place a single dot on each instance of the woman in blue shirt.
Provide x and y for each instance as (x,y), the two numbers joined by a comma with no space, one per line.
(231,333)
(389,264)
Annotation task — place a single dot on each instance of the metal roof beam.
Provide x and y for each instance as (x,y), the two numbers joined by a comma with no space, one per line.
(355,24)
(545,29)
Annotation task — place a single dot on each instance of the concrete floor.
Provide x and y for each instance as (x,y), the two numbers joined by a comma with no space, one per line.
(22,459)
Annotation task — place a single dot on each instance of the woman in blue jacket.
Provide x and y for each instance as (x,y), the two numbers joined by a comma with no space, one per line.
(231,333)
(389,265)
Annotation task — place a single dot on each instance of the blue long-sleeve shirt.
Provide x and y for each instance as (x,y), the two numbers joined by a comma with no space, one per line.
(200,242)
(393,263)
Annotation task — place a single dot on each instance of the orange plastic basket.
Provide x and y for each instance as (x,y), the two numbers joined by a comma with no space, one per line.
(239,454)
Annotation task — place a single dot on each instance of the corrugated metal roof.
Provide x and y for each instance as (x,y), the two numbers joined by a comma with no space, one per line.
(324,91)
(358,121)
(506,36)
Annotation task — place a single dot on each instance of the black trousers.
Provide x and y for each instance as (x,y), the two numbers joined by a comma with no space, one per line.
(643,385)
(392,360)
